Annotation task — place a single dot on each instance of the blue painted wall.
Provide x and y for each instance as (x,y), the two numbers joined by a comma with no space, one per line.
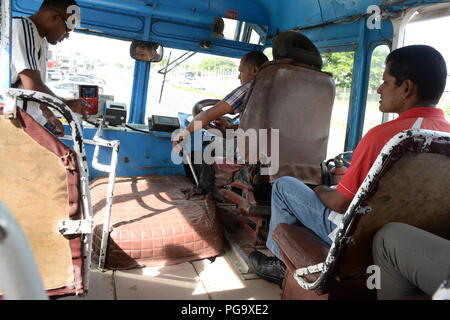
(140,154)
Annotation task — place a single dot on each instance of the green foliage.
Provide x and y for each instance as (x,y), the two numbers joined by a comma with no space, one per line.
(217,63)
(377,67)
(340,64)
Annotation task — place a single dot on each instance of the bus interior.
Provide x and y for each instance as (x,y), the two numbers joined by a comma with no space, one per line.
(114,203)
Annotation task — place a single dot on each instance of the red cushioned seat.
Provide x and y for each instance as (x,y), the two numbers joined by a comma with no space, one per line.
(152,224)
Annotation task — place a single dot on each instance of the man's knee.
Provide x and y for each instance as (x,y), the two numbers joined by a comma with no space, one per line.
(386,238)
(284,183)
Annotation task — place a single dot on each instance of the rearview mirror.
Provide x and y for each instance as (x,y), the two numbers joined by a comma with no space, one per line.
(146,51)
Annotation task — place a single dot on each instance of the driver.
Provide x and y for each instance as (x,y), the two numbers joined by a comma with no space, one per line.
(233,103)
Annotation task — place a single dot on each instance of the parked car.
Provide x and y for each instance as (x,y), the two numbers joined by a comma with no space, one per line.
(69,89)
(86,78)
(54,75)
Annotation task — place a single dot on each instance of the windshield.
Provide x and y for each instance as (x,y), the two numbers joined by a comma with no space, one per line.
(82,60)
(200,77)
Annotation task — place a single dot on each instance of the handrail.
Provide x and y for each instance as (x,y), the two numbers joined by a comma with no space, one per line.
(98,142)
(77,137)
(111,169)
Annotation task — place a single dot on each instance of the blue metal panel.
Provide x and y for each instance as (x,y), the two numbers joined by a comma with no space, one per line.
(247,10)
(289,14)
(140,154)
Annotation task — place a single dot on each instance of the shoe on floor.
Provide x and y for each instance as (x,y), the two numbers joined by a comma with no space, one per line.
(269,268)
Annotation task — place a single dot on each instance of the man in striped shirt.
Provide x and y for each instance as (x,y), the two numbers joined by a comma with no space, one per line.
(233,102)
(52,24)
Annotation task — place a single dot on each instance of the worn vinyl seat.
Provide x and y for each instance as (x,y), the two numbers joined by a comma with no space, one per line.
(408,183)
(152,223)
(40,183)
(297,100)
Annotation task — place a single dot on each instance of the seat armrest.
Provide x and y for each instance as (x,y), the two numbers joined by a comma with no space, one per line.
(300,247)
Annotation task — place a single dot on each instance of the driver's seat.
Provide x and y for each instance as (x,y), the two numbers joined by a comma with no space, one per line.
(297,100)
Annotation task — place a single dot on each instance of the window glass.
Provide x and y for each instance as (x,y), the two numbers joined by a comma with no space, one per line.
(433,32)
(373,115)
(200,77)
(269,53)
(340,64)
(88,59)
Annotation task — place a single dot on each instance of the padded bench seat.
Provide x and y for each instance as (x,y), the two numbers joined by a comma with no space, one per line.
(152,224)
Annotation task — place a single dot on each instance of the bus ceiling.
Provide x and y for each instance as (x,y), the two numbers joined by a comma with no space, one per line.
(180,24)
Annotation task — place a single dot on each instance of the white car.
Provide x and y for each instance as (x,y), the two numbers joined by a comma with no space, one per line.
(87,79)
(54,75)
(69,89)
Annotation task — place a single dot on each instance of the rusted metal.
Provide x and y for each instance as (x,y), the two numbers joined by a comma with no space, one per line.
(341,238)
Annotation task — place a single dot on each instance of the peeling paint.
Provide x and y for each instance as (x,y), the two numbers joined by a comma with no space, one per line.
(355,206)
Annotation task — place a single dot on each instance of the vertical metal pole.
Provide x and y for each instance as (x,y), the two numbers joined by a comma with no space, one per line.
(111,169)
(164,79)
(107,214)
(140,90)
(361,66)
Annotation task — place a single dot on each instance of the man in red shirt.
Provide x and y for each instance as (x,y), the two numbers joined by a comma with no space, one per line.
(413,82)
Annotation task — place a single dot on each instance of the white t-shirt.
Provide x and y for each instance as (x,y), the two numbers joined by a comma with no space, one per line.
(29,51)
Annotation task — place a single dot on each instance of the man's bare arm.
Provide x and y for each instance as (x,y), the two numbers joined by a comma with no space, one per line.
(205,117)
(31,80)
(332,198)
(219,110)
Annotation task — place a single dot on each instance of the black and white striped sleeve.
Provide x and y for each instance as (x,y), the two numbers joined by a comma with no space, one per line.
(23,46)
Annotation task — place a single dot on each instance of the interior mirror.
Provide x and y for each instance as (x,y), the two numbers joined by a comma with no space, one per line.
(146,51)
(229,29)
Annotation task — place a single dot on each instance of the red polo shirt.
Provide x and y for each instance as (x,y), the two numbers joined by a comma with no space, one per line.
(373,142)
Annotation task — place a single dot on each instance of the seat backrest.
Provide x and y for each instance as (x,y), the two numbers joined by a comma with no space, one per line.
(413,188)
(298,101)
(39,182)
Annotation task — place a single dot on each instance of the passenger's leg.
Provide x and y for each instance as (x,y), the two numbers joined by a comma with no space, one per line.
(295,203)
(410,258)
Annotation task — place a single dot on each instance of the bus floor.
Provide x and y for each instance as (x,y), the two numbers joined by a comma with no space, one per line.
(224,278)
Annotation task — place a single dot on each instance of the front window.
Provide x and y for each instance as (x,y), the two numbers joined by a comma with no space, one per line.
(200,77)
(91,60)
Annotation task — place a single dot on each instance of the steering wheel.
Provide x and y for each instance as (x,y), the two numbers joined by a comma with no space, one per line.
(201,105)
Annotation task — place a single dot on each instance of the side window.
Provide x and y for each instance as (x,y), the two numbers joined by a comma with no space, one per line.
(373,115)
(433,32)
(340,64)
